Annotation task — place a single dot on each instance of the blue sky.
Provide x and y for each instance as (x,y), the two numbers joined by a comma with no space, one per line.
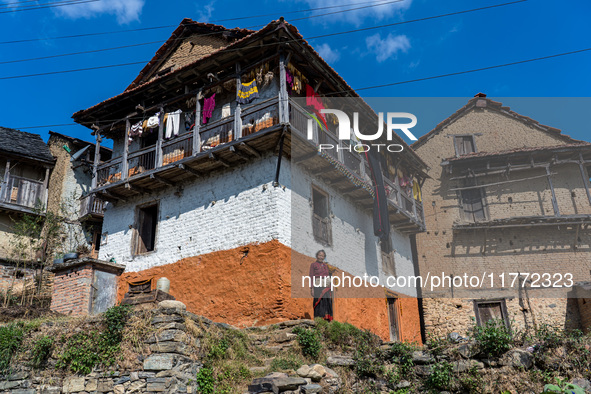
(525,30)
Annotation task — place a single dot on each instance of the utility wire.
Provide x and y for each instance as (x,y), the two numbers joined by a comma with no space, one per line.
(169,26)
(247,47)
(52,5)
(176,39)
(401,82)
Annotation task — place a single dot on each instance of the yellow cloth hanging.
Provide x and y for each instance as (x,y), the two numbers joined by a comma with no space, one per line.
(416,191)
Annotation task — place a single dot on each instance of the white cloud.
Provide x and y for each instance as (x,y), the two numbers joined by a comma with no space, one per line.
(381,9)
(204,12)
(387,47)
(328,54)
(125,10)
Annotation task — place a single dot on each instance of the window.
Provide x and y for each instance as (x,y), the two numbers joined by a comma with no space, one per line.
(147,220)
(388,264)
(320,217)
(464,144)
(487,310)
(473,203)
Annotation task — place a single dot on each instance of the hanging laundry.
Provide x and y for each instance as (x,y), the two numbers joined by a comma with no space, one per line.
(173,123)
(226,110)
(416,191)
(289,79)
(247,92)
(136,129)
(314,101)
(189,120)
(268,78)
(208,106)
(153,121)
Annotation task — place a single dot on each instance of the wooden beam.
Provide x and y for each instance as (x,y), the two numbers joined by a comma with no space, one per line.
(500,183)
(197,127)
(160,137)
(238,153)
(45,190)
(97,160)
(238,110)
(162,180)
(554,202)
(322,169)
(124,163)
(190,170)
(585,178)
(250,150)
(136,188)
(219,160)
(105,195)
(4,186)
(304,157)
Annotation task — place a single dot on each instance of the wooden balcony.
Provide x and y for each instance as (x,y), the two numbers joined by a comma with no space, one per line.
(218,146)
(22,195)
(92,207)
(351,174)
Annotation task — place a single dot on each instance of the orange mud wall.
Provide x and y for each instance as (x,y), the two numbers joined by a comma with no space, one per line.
(256,290)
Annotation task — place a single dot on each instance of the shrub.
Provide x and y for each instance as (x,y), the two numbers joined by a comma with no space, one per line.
(41,351)
(493,339)
(205,381)
(563,387)
(441,376)
(367,357)
(11,337)
(308,341)
(83,351)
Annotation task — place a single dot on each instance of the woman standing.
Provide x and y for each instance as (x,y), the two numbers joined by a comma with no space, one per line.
(320,275)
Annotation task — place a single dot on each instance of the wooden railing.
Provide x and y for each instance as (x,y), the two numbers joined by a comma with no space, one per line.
(354,161)
(24,192)
(250,120)
(92,205)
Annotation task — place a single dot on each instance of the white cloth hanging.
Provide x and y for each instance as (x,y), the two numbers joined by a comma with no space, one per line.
(173,123)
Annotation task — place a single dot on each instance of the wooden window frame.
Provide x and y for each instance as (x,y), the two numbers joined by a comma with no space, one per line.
(465,216)
(462,136)
(136,233)
(326,220)
(503,304)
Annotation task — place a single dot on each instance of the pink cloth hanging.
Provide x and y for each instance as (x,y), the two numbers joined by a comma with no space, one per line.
(208,106)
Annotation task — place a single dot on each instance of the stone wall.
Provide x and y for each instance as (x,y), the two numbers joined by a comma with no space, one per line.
(442,250)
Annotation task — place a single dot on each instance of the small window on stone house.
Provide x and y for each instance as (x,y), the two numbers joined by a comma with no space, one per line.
(321,225)
(473,204)
(464,144)
(387,253)
(488,310)
(147,221)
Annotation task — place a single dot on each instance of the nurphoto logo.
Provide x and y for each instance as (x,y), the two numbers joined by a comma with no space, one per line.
(357,139)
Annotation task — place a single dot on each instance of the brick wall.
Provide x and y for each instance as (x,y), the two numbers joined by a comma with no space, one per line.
(548,249)
(72,290)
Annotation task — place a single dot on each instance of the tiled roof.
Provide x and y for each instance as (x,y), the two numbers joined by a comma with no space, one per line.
(486,155)
(480,101)
(174,41)
(272,26)
(27,145)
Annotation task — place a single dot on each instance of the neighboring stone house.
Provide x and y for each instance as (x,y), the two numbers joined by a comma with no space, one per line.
(505,195)
(69,187)
(230,201)
(25,166)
